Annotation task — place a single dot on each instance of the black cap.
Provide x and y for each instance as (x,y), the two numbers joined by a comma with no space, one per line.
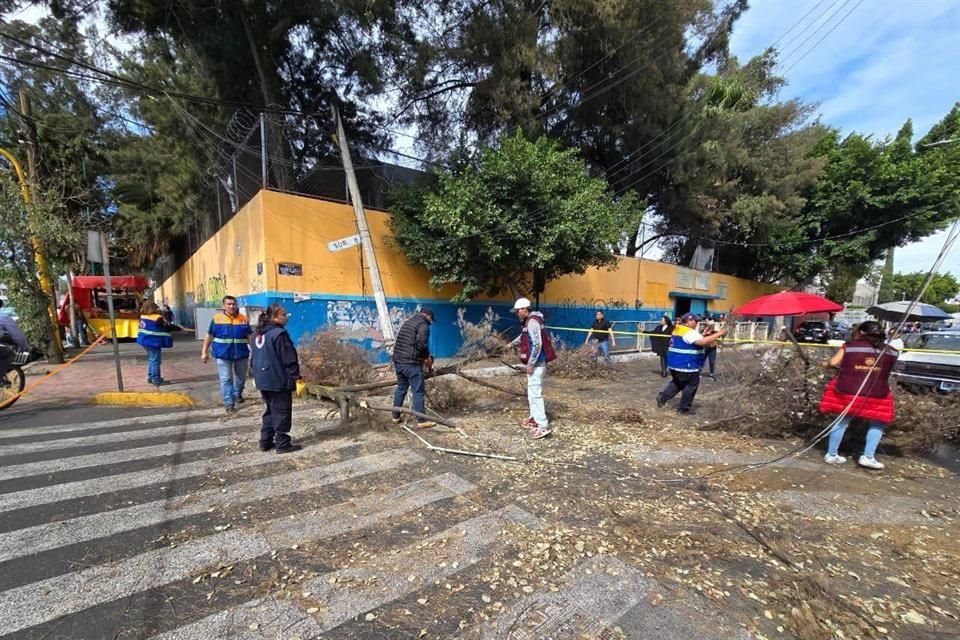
(427,311)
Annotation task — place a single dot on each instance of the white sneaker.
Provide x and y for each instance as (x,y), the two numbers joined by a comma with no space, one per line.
(869,463)
(829,459)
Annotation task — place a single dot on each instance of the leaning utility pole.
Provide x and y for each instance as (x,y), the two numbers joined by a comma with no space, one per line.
(366,241)
(55,350)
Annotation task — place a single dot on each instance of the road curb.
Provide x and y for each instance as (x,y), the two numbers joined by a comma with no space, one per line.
(144,399)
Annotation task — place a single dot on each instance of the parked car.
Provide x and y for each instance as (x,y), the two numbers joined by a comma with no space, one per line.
(841,331)
(822,332)
(937,369)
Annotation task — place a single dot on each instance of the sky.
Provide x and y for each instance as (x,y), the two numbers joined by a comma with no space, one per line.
(887,61)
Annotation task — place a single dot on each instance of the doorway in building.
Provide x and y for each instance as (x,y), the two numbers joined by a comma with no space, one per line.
(681,306)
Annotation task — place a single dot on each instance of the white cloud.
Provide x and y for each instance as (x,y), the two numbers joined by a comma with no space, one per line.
(887,62)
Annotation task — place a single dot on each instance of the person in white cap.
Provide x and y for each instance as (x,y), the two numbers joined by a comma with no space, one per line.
(536,350)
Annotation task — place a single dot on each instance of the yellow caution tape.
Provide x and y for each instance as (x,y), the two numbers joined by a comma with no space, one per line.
(728,339)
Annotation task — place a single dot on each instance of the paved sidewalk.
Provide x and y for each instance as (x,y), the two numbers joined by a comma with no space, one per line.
(95,373)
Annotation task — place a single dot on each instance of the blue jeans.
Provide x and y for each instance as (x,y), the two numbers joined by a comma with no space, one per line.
(711,358)
(233,375)
(604,347)
(410,376)
(874,433)
(153,365)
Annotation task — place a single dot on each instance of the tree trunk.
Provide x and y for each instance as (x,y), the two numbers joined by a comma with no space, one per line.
(279,162)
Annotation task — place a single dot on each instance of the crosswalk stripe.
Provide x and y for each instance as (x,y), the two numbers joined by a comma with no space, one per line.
(595,594)
(122,436)
(159,475)
(286,532)
(691,456)
(18,434)
(854,507)
(369,588)
(43,601)
(43,537)
(257,619)
(108,458)
(465,545)
(182,417)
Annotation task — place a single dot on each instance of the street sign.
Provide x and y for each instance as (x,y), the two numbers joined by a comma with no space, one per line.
(343,243)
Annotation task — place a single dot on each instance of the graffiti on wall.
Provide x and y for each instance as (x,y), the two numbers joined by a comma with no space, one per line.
(358,320)
(256,284)
(211,291)
(216,288)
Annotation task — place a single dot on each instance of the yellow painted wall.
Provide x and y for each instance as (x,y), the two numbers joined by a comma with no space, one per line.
(647,283)
(224,264)
(276,227)
(300,228)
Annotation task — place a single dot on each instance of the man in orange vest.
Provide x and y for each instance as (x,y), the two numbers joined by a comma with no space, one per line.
(229,333)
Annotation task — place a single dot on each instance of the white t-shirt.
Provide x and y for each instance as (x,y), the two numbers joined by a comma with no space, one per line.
(690,337)
(896,343)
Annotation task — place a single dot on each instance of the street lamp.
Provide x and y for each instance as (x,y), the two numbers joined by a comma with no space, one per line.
(43,267)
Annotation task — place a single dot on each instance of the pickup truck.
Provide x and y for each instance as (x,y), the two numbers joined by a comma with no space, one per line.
(931,361)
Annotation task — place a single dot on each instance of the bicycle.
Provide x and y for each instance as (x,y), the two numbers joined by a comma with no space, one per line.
(14,382)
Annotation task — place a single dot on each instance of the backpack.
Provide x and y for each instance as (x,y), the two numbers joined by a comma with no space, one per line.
(549,353)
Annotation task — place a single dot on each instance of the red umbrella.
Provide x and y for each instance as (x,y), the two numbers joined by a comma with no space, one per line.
(787,303)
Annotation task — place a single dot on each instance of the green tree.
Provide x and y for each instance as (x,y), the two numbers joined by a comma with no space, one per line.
(906,286)
(523,208)
(47,221)
(606,78)
(743,171)
(872,196)
(65,117)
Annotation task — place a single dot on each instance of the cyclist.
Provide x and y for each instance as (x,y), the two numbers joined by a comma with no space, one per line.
(12,340)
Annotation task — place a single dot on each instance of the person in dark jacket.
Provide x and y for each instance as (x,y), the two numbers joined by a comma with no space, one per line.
(411,356)
(660,342)
(276,370)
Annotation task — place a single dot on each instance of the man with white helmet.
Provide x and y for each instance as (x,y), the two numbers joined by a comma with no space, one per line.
(536,350)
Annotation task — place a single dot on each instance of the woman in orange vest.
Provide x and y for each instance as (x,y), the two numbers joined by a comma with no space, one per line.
(153,336)
(862,384)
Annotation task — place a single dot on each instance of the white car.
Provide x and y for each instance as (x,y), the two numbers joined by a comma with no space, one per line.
(931,360)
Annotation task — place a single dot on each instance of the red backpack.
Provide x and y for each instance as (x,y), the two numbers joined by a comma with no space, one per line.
(549,353)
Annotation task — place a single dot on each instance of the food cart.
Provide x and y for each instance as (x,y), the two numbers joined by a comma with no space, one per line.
(90,295)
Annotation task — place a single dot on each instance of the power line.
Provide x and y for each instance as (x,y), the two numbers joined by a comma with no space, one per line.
(679,141)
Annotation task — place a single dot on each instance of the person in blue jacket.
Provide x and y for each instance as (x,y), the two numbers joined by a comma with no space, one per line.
(153,336)
(276,370)
(229,335)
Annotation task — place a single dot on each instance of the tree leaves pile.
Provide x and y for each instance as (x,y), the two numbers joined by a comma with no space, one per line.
(582,363)
(480,340)
(327,359)
(446,394)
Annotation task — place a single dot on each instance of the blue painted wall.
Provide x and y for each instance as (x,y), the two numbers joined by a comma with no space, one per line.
(357,318)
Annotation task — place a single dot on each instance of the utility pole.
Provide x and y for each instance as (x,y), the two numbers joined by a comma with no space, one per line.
(105,250)
(366,241)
